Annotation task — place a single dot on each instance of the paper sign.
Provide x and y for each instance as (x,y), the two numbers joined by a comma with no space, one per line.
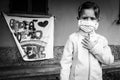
(33,36)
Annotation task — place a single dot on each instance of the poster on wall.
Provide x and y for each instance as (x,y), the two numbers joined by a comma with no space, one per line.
(33,36)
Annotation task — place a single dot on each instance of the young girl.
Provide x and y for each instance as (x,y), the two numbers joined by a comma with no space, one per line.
(85,50)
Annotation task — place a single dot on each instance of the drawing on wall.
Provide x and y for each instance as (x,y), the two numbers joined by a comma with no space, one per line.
(33,36)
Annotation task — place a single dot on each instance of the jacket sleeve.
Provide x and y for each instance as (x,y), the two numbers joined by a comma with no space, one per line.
(103,52)
(66,60)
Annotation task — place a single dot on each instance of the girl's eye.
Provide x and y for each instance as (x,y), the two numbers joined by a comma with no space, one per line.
(86,18)
(93,18)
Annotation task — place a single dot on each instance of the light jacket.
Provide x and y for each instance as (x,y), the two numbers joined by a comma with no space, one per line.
(78,63)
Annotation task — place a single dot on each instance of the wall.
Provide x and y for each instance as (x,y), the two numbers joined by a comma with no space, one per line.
(66,23)
(6,38)
(65,12)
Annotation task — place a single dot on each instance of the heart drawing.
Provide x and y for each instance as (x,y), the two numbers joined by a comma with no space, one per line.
(43,24)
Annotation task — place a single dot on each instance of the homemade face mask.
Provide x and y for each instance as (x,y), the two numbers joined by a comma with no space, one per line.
(88,26)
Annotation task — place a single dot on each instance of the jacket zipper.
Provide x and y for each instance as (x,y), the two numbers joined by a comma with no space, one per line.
(89,61)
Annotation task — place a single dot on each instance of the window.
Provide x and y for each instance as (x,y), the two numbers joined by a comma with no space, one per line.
(29,6)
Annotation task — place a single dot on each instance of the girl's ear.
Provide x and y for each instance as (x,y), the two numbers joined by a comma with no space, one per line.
(79,21)
(96,25)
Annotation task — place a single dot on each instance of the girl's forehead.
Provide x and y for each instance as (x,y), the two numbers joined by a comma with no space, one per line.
(89,12)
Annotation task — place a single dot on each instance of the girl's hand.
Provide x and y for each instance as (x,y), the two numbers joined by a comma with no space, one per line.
(88,44)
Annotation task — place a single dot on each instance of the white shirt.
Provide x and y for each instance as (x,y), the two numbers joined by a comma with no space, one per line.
(78,63)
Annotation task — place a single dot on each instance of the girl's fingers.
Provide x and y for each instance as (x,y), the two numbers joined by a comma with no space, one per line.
(87,38)
(84,45)
(85,41)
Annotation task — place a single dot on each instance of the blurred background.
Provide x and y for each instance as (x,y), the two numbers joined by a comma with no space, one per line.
(65,12)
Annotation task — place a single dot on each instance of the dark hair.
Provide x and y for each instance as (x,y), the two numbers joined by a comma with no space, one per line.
(89,5)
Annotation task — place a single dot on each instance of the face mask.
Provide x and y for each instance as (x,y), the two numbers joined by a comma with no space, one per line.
(88,26)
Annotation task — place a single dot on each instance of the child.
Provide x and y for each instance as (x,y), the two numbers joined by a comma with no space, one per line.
(85,50)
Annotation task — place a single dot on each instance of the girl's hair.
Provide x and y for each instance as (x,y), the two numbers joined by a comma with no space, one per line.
(88,5)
